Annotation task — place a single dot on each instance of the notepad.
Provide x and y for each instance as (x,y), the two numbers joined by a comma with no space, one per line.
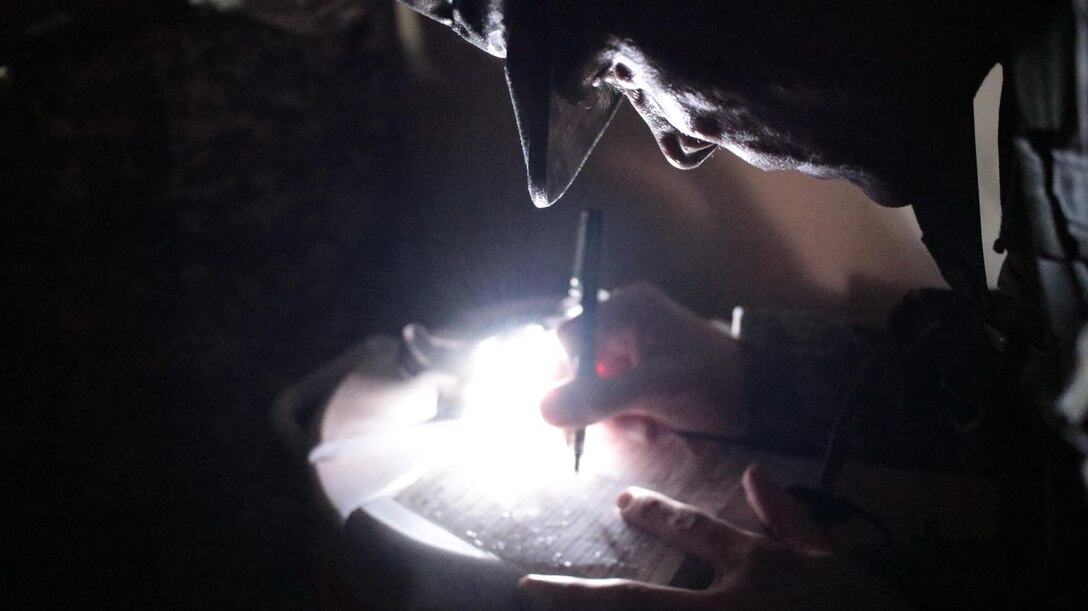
(560,522)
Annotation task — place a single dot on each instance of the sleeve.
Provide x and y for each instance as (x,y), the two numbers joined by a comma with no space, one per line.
(799,370)
(819,386)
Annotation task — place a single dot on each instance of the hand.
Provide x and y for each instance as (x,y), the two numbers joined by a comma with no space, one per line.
(657,361)
(792,568)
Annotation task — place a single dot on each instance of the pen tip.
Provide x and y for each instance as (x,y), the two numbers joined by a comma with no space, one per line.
(577,462)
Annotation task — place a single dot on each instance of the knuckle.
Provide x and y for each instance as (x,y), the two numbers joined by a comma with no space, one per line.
(686,519)
(652,506)
(654,513)
(675,517)
(696,520)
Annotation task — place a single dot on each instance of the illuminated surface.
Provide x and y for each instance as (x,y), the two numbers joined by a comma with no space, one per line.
(510,374)
(561,524)
(377,431)
(499,480)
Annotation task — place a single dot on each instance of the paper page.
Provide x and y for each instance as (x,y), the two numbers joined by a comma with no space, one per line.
(559,522)
(565,526)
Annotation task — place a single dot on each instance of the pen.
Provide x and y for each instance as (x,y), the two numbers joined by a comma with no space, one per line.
(584,284)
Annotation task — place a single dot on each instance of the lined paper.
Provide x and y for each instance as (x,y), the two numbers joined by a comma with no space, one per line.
(565,526)
(559,522)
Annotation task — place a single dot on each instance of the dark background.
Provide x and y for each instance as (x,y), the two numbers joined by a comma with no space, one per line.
(197,210)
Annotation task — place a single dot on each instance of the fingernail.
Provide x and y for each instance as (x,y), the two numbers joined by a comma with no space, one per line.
(629,495)
(624,499)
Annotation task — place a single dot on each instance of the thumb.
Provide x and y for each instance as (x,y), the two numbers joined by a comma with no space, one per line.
(583,401)
(787,520)
(667,391)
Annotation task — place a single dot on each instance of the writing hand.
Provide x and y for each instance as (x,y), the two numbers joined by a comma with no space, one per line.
(658,361)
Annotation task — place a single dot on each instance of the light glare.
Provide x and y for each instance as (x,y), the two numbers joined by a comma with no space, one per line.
(510,374)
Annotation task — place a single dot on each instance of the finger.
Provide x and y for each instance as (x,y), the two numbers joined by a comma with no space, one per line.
(788,521)
(687,528)
(557,592)
(616,351)
(672,393)
(634,304)
(630,308)
(634,427)
(644,308)
(578,403)
(584,401)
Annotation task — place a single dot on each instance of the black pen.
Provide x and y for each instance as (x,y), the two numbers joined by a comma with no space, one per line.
(584,284)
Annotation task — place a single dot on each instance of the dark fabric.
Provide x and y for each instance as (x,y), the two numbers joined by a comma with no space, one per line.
(1045,210)
(799,370)
(1047,92)
(817,386)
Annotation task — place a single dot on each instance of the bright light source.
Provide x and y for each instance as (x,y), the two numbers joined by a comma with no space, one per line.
(509,375)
